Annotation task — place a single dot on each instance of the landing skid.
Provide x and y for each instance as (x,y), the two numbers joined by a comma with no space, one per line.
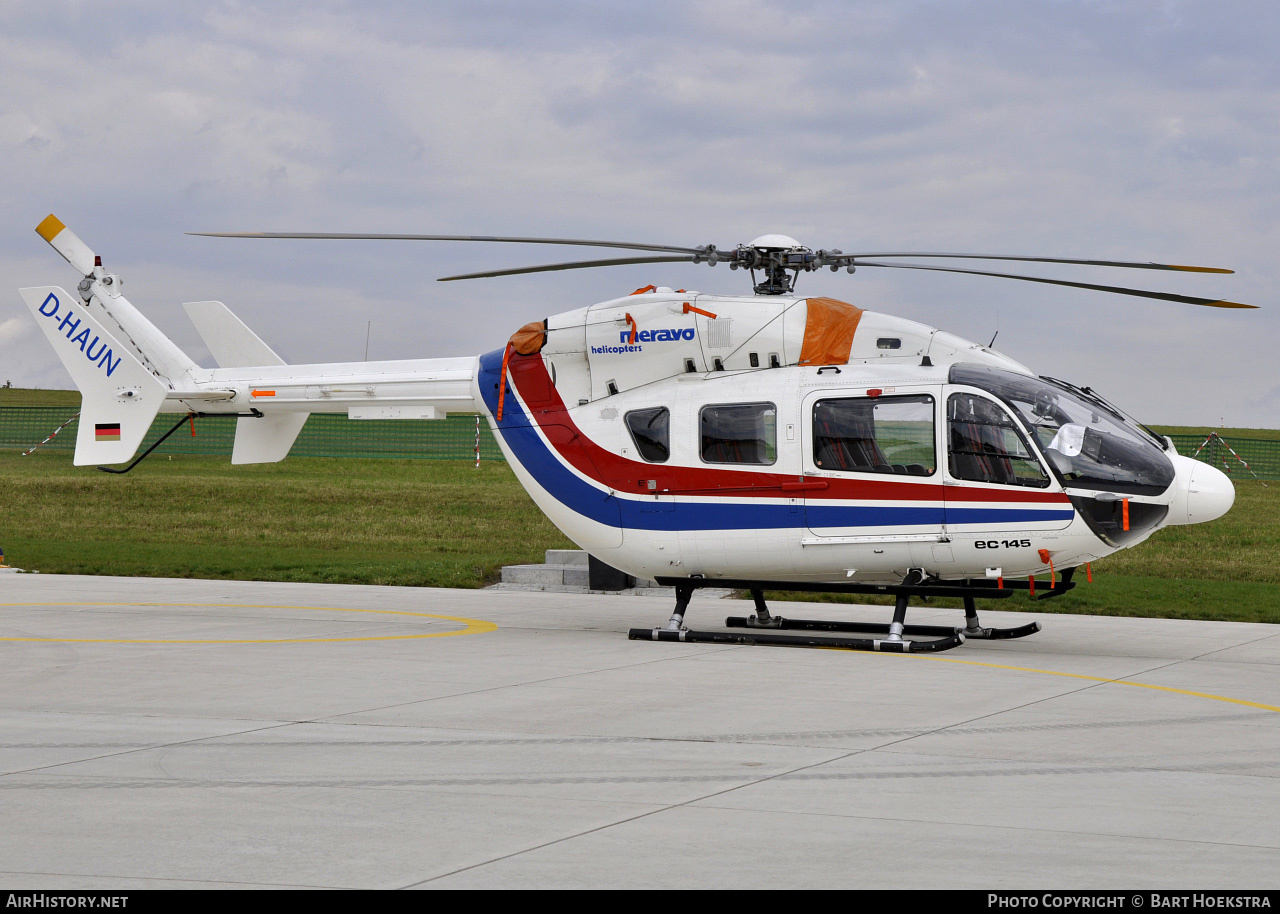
(823,625)
(902,646)
(765,629)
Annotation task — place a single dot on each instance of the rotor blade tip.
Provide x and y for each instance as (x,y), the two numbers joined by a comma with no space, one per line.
(1186,269)
(49,228)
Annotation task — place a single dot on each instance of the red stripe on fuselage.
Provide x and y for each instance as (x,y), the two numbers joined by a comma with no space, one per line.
(544,406)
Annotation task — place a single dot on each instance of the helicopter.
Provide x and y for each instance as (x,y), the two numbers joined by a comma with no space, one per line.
(767,441)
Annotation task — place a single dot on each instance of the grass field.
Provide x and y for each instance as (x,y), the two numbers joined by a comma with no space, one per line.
(1202,431)
(410,522)
(448,524)
(441,523)
(25,396)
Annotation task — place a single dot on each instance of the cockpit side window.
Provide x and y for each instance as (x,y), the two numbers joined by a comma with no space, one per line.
(1090,443)
(740,433)
(875,435)
(650,429)
(985,445)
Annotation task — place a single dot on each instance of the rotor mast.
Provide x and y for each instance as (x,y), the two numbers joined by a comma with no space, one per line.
(775,256)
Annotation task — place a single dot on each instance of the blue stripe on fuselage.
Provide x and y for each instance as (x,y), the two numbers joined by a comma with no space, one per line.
(585,499)
(1005,515)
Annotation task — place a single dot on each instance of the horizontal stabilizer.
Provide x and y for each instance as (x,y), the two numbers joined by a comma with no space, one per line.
(231,342)
(120,397)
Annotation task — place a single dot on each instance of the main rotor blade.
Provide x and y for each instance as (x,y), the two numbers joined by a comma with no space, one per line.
(1092,263)
(332,236)
(1162,296)
(576,265)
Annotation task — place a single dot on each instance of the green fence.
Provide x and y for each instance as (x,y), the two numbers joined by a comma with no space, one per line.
(324,435)
(454,438)
(1240,458)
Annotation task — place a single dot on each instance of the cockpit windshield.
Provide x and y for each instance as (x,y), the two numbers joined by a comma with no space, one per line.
(1090,443)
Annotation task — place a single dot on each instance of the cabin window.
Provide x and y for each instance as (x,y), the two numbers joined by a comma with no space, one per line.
(986,446)
(875,435)
(740,433)
(650,430)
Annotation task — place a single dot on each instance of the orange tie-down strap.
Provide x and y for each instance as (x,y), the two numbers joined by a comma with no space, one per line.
(829,327)
(1048,560)
(502,385)
(528,340)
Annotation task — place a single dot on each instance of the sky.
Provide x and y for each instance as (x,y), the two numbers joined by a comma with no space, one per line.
(1139,130)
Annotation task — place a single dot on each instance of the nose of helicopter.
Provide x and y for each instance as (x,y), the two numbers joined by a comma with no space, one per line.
(1204,493)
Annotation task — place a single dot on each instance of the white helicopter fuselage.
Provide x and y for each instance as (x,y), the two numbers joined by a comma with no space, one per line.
(677,434)
(782,514)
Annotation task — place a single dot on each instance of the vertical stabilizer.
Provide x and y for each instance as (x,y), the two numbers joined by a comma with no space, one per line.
(230,341)
(120,397)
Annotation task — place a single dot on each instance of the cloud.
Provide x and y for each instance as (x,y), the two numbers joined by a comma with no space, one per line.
(1144,130)
(14,330)
(25,360)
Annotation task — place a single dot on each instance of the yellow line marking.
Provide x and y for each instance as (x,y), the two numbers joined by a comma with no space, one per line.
(481,626)
(472,626)
(1123,682)
(50,227)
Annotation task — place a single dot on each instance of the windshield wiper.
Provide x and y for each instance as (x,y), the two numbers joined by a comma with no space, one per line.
(1097,399)
(1088,394)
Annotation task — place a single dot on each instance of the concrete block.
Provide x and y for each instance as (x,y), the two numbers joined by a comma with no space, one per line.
(533,575)
(566,557)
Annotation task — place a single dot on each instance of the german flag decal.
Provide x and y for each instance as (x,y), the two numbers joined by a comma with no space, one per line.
(109,431)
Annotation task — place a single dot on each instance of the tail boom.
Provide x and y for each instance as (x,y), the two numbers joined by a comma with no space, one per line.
(127,371)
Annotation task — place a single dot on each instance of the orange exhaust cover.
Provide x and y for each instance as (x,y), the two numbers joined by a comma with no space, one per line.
(828,332)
